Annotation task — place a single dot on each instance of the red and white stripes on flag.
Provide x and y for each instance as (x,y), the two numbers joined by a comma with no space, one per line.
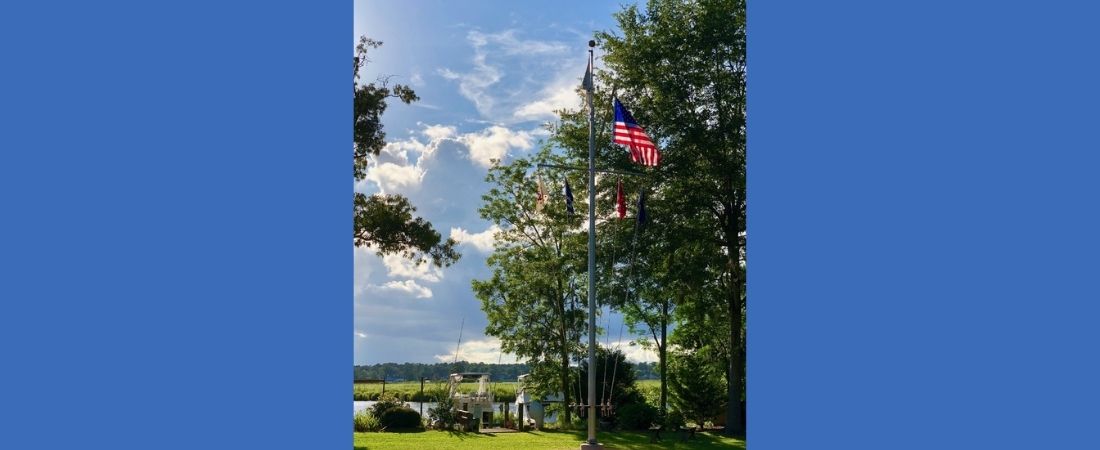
(628,133)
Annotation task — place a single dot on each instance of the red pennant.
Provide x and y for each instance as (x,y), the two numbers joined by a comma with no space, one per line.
(620,199)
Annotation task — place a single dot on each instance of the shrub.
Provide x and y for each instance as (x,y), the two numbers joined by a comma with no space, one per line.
(443,412)
(387,402)
(367,422)
(674,420)
(400,418)
(636,416)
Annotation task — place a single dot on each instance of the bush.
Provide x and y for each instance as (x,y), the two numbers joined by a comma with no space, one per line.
(367,422)
(400,418)
(387,402)
(674,420)
(443,413)
(636,416)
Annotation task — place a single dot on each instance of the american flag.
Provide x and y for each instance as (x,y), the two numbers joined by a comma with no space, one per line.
(628,133)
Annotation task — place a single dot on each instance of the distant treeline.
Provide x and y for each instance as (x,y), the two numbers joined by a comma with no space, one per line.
(647,371)
(439,371)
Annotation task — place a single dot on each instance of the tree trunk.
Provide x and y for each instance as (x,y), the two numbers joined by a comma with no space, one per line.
(737,362)
(565,387)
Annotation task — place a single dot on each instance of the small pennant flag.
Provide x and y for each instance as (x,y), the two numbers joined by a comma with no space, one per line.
(568,197)
(628,133)
(541,199)
(620,200)
(641,209)
(587,83)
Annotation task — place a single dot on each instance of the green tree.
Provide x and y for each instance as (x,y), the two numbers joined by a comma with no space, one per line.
(681,66)
(697,386)
(386,222)
(615,378)
(528,299)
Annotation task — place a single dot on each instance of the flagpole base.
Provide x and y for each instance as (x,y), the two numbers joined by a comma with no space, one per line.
(587,446)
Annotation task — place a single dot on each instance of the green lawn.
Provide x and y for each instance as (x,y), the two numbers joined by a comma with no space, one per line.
(536,440)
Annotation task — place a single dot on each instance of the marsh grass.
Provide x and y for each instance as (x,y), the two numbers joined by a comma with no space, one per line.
(409,391)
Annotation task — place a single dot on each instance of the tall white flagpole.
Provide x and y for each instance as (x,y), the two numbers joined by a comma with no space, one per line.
(591,444)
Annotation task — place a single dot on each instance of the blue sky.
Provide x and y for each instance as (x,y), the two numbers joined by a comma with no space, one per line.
(489,75)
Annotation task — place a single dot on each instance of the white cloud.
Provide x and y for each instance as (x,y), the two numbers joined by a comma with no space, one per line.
(550,101)
(416,79)
(360,334)
(392,177)
(635,352)
(494,92)
(494,142)
(437,132)
(475,84)
(399,150)
(511,45)
(394,170)
(482,241)
(561,95)
(407,286)
(393,295)
(399,266)
(479,351)
(448,74)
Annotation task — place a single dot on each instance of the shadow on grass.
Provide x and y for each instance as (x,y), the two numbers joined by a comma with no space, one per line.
(640,440)
(612,440)
(461,435)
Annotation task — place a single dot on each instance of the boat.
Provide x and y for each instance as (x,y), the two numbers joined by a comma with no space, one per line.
(532,407)
(478,404)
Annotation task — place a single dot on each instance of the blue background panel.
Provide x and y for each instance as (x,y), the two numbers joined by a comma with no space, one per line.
(177,274)
(922,225)
(177,266)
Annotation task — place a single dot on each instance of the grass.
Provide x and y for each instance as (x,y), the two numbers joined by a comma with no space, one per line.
(537,440)
(503,391)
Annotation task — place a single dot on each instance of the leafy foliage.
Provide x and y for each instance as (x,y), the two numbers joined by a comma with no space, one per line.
(697,387)
(385,403)
(385,222)
(365,421)
(615,379)
(636,416)
(443,412)
(370,103)
(680,68)
(400,418)
(528,299)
